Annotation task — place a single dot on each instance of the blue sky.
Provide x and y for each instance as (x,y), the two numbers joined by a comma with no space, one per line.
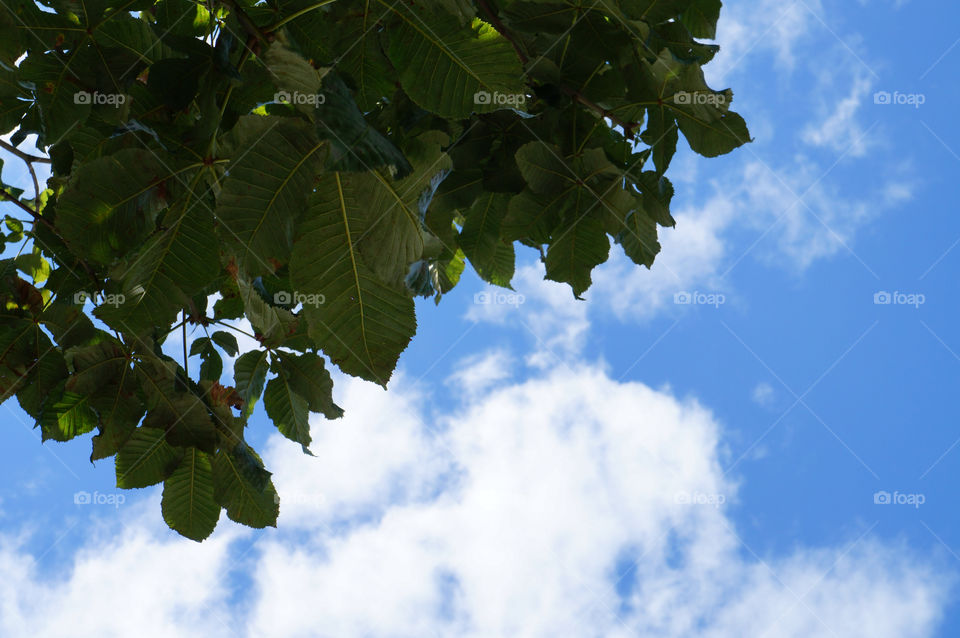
(627,465)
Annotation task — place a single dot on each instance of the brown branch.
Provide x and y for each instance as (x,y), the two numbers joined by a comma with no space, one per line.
(26,157)
(248,25)
(27,209)
(502,29)
(590,104)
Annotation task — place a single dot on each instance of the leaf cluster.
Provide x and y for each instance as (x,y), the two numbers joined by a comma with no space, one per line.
(298,172)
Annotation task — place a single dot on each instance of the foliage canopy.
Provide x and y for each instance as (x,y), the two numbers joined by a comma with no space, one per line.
(311,167)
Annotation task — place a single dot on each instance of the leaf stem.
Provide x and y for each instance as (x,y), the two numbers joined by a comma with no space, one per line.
(243,332)
(295,15)
(183,325)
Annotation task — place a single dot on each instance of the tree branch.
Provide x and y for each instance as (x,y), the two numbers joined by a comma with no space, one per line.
(590,104)
(248,25)
(502,29)
(10,198)
(26,157)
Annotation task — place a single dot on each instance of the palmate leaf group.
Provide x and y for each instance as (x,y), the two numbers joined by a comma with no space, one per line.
(299,172)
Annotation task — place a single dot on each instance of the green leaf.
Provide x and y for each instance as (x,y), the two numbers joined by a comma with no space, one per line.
(172,267)
(226,341)
(480,240)
(355,145)
(250,373)
(244,489)
(188,504)
(275,163)
(111,204)
(308,376)
(701,18)
(185,420)
(288,410)
(451,69)
(577,249)
(271,322)
(68,417)
(394,236)
(212,367)
(638,236)
(146,459)
(363,324)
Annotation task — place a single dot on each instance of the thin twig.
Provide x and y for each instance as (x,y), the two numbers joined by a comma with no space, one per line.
(27,157)
(248,25)
(10,198)
(186,370)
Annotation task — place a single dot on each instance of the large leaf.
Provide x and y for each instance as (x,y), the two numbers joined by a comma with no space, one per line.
(172,267)
(394,236)
(146,459)
(288,410)
(188,504)
(578,248)
(244,489)
(111,204)
(275,163)
(451,69)
(363,324)
(302,385)
(480,239)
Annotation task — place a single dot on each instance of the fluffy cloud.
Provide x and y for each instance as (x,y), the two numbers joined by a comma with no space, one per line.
(567,504)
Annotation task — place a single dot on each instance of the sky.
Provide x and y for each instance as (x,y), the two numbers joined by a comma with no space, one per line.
(757,437)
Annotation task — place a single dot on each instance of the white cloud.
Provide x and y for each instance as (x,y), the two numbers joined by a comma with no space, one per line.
(763,394)
(756,29)
(546,311)
(839,129)
(480,372)
(514,515)
(559,480)
(138,582)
